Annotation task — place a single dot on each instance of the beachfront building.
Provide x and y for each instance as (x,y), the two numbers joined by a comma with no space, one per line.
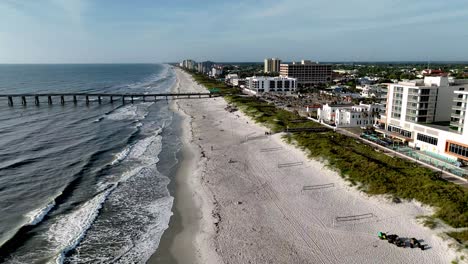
(307,72)
(205,67)
(429,115)
(272,65)
(216,71)
(230,77)
(189,64)
(362,115)
(238,82)
(263,84)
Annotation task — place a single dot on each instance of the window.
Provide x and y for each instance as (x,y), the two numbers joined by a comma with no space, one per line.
(457,149)
(424,99)
(272,84)
(427,139)
(425,91)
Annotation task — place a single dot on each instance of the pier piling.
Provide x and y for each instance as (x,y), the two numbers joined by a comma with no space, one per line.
(140,97)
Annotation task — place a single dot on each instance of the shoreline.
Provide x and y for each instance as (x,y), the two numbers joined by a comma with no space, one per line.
(177,244)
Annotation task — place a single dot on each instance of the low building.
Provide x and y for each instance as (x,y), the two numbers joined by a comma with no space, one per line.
(229,78)
(362,115)
(238,82)
(373,91)
(263,84)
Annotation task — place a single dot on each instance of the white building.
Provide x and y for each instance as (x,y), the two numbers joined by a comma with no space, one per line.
(361,115)
(215,72)
(189,64)
(237,82)
(264,84)
(430,115)
(229,78)
(373,91)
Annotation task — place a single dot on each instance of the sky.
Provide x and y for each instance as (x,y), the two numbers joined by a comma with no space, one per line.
(134,31)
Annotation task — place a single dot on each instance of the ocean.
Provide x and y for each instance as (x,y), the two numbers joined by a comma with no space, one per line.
(85,183)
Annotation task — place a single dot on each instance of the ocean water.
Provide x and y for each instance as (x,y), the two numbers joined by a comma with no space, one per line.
(85,183)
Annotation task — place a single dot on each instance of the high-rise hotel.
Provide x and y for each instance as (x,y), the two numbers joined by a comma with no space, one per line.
(307,72)
(430,115)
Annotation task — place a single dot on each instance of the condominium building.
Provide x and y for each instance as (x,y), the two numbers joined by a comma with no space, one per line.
(459,116)
(430,115)
(264,84)
(307,72)
(205,67)
(272,65)
(188,64)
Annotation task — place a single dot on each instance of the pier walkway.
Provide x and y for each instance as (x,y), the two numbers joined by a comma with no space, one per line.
(99,97)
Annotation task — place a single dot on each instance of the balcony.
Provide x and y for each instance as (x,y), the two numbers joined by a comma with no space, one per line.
(458,107)
(411,114)
(456,99)
(456,124)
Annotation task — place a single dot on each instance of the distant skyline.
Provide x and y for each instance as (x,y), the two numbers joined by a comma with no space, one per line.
(118,31)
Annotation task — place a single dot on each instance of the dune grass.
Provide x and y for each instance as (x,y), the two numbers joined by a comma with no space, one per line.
(461,237)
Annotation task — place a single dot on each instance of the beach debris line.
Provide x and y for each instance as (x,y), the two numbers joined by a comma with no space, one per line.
(401,241)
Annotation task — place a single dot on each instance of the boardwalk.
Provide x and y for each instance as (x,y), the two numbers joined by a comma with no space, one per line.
(49,98)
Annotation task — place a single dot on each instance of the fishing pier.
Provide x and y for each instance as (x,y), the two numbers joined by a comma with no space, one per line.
(62,98)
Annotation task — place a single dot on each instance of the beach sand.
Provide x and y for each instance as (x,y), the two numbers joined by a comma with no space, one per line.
(242,200)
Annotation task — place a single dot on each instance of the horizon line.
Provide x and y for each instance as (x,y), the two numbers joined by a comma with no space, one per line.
(259,62)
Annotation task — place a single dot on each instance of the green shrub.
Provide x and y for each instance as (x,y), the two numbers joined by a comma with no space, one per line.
(461,237)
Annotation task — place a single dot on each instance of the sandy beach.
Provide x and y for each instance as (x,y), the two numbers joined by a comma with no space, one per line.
(242,200)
